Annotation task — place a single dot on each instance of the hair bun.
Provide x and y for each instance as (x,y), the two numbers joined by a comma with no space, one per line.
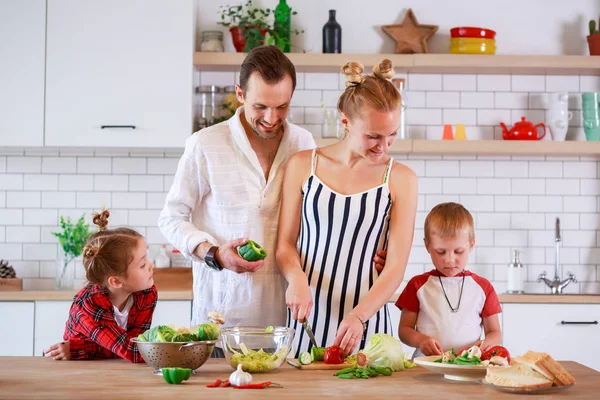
(101,219)
(353,71)
(385,69)
(90,251)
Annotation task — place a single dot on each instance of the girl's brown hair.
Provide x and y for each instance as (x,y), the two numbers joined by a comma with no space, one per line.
(374,92)
(447,219)
(108,252)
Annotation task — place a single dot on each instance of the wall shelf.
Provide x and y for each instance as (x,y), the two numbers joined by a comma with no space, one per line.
(422,63)
(490,147)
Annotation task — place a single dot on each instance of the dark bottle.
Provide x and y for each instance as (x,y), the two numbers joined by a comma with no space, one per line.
(283,27)
(332,35)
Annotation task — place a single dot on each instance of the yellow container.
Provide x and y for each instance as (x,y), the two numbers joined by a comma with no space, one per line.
(472,46)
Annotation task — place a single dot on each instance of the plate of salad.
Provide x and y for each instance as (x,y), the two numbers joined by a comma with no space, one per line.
(467,365)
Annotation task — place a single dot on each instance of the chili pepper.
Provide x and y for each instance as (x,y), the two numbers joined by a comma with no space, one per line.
(261,385)
(176,375)
(216,383)
(227,383)
(252,251)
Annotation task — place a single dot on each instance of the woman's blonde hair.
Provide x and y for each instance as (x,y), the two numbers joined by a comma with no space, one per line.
(447,220)
(108,252)
(374,92)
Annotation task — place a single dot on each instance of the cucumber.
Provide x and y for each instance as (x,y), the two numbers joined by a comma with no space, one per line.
(317,353)
(305,358)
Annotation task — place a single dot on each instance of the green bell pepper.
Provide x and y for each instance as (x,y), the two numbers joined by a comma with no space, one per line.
(176,375)
(252,251)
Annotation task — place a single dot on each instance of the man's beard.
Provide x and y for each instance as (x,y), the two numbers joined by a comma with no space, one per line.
(260,135)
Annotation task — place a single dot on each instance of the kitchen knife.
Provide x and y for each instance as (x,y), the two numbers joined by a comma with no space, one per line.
(309,332)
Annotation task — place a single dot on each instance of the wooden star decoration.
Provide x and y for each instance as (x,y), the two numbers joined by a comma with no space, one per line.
(410,36)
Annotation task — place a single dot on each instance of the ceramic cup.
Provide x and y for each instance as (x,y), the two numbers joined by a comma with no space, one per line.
(590,104)
(592,129)
(558,100)
(558,121)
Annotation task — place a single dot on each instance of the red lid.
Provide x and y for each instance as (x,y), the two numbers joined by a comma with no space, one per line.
(175,251)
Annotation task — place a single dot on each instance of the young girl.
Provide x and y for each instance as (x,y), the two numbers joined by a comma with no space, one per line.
(449,307)
(118,302)
(340,205)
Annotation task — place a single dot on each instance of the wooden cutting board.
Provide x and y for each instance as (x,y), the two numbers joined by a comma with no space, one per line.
(318,365)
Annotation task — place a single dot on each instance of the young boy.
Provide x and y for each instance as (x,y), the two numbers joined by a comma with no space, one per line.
(446,307)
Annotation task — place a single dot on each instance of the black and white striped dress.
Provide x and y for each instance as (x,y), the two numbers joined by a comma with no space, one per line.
(339,237)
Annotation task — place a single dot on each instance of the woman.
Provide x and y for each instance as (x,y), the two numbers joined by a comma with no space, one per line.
(341,204)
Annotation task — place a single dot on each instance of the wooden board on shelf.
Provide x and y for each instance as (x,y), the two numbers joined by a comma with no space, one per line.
(423,63)
(11,284)
(318,365)
(506,147)
(174,278)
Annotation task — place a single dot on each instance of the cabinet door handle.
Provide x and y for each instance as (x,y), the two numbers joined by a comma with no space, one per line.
(117,127)
(579,322)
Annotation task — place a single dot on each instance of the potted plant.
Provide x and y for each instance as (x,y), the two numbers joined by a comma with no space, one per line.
(72,239)
(594,38)
(249,26)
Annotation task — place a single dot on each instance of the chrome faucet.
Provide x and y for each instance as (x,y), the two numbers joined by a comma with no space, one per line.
(556,286)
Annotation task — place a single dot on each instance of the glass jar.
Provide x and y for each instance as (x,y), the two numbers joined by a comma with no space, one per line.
(212,41)
(208,103)
(230,102)
(401,86)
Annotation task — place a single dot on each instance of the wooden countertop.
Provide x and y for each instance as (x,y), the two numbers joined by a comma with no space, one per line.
(58,295)
(40,378)
(540,298)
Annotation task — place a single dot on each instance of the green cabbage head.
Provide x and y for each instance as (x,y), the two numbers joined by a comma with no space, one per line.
(382,350)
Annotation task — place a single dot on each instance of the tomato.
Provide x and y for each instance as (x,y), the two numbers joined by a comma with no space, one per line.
(333,355)
(496,351)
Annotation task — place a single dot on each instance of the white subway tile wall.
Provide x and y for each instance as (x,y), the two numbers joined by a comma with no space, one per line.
(514,200)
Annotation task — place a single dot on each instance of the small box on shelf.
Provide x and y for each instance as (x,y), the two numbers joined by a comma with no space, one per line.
(11,284)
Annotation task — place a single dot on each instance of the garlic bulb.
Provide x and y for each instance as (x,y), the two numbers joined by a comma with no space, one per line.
(239,377)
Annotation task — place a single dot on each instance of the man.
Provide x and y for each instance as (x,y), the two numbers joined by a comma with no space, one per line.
(227,190)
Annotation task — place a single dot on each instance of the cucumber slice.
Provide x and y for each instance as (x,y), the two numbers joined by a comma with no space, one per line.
(305,358)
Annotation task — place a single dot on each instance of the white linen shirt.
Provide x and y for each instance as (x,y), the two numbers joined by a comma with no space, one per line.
(220,194)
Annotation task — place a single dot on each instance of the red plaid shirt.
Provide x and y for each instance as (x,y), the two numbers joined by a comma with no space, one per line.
(92,331)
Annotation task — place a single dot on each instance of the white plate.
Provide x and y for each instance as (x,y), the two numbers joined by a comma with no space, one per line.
(525,390)
(469,373)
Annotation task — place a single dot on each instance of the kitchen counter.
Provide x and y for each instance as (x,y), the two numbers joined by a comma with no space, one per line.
(58,295)
(40,378)
(530,298)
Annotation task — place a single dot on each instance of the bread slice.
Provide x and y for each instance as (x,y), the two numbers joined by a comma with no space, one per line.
(518,376)
(547,366)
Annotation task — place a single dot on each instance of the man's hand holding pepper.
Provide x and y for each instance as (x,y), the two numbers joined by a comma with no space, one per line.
(228,257)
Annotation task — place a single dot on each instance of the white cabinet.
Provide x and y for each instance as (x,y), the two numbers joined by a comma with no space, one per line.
(16,329)
(119,73)
(22,51)
(565,331)
(50,320)
(172,312)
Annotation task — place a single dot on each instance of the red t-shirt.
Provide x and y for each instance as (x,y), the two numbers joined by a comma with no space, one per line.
(424,295)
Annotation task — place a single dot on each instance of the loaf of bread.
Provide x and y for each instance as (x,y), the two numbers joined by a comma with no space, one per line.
(547,366)
(517,375)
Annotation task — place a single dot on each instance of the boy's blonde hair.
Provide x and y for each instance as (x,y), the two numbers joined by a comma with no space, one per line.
(447,219)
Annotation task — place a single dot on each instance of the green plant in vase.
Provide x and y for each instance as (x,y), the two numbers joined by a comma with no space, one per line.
(72,239)
(250,25)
